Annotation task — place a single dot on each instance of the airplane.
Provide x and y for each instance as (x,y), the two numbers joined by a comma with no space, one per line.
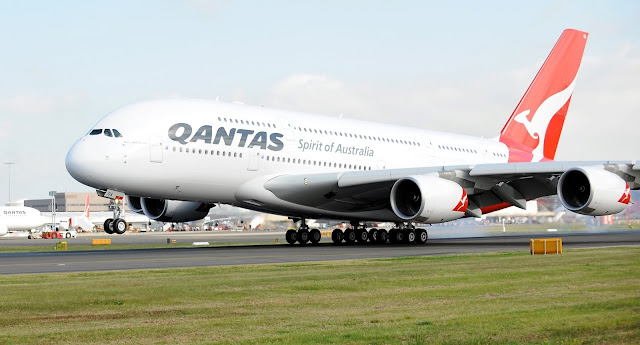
(17,218)
(307,166)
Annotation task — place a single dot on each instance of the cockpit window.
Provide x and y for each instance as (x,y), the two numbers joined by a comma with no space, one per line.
(107,132)
(116,133)
(95,132)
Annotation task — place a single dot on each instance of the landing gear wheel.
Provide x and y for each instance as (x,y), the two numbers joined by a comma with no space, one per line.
(291,236)
(68,235)
(119,226)
(350,236)
(383,236)
(422,236)
(337,236)
(108,226)
(410,236)
(303,236)
(362,236)
(398,236)
(315,236)
(392,235)
(373,235)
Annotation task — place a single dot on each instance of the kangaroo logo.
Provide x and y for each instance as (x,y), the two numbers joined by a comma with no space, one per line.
(537,126)
(463,203)
(626,197)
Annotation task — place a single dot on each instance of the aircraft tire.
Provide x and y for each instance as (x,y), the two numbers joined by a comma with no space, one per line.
(392,235)
(315,236)
(410,236)
(291,236)
(68,235)
(303,236)
(108,226)
(421,236)
(362,236)
(399,236)
(350,236)
(383,236)
(373,235)
(337,236)
(119,226)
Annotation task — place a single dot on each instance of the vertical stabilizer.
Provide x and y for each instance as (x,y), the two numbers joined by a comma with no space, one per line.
(533,130)
(86,207)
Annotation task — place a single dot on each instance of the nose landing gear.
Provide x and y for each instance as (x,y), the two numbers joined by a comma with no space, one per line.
(116,224)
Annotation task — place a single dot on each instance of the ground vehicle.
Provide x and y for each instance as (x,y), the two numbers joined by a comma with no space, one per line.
(53,234)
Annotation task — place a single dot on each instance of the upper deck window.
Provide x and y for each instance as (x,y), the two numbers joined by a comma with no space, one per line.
(95,131)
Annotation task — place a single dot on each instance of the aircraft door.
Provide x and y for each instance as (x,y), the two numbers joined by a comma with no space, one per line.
(254,158)
(155,149)
(428,146)
(289,133)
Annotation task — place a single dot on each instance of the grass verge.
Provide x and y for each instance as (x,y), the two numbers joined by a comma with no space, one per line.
(580,297)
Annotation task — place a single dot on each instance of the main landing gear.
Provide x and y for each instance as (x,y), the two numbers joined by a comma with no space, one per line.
(303,235)
(116,224)
(358,234)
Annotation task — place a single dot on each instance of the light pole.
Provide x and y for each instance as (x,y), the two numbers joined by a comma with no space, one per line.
(9,164)
(53,209)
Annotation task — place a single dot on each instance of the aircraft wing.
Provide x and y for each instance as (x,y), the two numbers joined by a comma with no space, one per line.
(489,186)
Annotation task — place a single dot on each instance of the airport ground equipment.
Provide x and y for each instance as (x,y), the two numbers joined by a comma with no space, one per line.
(101,242)
(539,246)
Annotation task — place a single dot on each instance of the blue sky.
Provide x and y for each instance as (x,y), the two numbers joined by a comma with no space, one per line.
(458,66)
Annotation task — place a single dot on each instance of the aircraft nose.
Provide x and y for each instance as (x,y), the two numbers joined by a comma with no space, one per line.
(78,163)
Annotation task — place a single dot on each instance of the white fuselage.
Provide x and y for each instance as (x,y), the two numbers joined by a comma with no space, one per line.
(19,218)
(201,150)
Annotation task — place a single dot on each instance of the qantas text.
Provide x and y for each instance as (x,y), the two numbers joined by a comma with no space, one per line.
(181,132)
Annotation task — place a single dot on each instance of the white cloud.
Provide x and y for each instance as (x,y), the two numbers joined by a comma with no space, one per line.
(318,94)
(27,103)
(604,106)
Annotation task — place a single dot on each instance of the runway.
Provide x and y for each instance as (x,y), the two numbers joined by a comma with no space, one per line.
(107,260)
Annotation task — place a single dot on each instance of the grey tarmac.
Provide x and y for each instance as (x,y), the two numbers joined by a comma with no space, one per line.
(109,260)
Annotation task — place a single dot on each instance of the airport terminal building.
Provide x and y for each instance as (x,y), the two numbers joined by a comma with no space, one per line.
(72,202)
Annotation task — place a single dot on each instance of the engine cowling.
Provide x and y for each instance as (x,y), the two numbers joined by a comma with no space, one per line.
(135,204)
(592,191)
(174,211)
(3,229)
(428,199)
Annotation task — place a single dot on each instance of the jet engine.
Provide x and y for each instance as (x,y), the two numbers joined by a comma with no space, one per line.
(428,199)
(174,211)
(593,192)
(3,229)
(135,204)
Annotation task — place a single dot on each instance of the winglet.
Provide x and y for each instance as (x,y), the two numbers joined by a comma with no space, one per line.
(533,130)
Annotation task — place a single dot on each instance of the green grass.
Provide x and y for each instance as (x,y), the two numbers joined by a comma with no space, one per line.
(580,297)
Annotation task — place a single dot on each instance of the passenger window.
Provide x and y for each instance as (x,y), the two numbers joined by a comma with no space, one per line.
(107,132)
(95,132)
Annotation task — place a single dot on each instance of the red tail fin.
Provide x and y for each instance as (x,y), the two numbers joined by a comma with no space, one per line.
(533,130)
(86,207)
